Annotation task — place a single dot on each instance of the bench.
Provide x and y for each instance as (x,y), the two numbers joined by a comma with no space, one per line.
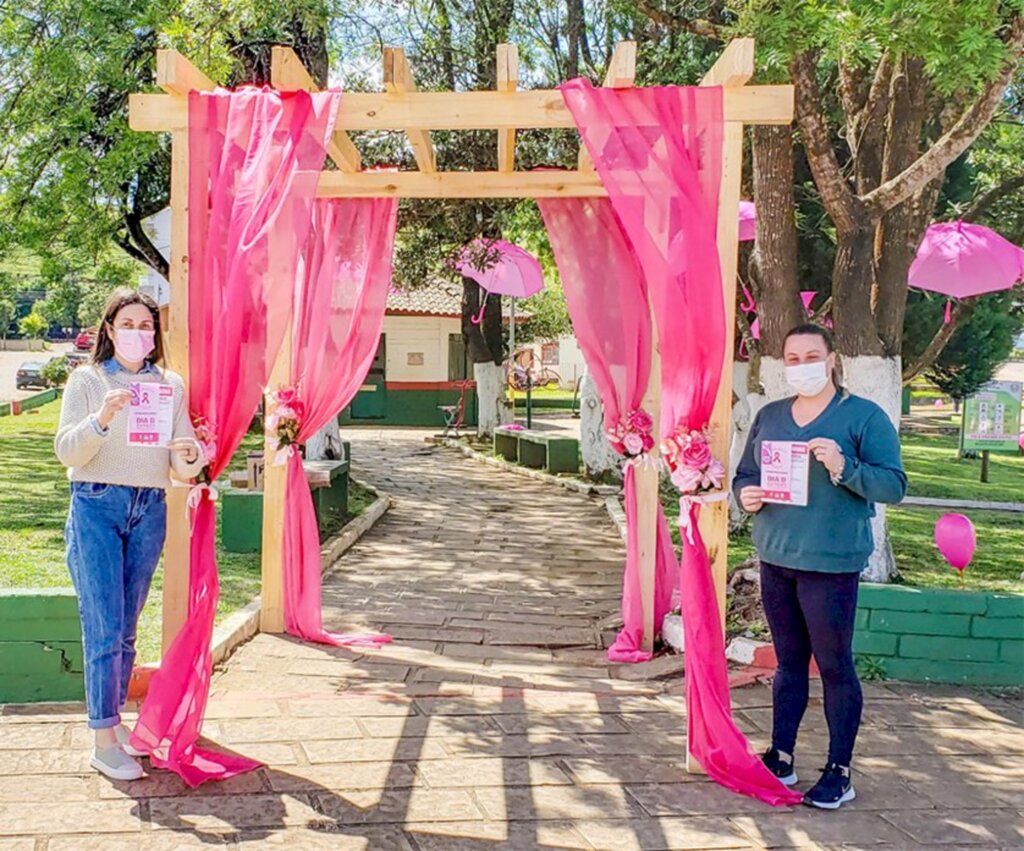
(538,449)
(242,508)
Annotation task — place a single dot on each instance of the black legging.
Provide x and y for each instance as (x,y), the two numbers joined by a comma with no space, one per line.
(813,612)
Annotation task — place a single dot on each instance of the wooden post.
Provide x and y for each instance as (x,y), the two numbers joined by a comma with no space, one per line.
(286,73)
(647,481)
(177,76)
(984,466)
(734,68)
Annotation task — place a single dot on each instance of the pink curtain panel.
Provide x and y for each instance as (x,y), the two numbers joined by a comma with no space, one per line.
(613,327)
(255,159)
(658,153)
(338,317)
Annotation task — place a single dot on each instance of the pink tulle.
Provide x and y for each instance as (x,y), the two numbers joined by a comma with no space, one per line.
(339,313)
(658,153)
(613,328)
(255,159)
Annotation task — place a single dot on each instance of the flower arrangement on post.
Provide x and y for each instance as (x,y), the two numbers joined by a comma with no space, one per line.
(283,423)
(206,436)
(694,470)
(632,436)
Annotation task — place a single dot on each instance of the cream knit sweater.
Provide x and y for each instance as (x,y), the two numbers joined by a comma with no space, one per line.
(94,455)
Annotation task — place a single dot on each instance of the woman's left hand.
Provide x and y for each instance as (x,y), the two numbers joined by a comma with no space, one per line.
(828,453)
(186,448)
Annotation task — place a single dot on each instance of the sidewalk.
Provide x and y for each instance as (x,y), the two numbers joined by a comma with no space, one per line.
(494,720)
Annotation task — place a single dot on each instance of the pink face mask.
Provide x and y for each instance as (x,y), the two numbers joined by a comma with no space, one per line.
(134,346)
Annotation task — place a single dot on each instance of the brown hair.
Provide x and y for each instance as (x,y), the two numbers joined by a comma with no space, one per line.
(812,329)
(121,298)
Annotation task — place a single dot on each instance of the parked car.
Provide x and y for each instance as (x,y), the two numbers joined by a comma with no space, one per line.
(85,340)
(74,359)
(30,374)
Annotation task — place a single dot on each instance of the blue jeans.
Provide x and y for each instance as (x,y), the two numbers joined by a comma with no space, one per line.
(114,538)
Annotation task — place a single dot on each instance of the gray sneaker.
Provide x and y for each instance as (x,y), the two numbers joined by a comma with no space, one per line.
(124,738)
(115,763)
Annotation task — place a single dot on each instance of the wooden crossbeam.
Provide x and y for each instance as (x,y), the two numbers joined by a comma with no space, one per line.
(534,109)
(460,184)
(398,80)
(621,74)
(508,80)
(735,65)
(176,75)
(289,74)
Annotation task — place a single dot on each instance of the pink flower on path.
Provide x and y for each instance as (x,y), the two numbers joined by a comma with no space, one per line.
(634,443)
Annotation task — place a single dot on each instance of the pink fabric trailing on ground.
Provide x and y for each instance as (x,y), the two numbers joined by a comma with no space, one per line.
(658,153)
(338,317)
(255,160)
(613,327)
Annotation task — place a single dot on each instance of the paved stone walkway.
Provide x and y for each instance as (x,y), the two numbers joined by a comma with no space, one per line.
(494,720)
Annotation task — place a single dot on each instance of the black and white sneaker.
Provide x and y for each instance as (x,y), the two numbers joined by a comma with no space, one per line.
(833,790)
(781,765)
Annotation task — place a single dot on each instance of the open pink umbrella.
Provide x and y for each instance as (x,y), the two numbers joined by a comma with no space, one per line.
(748,221)
(515,272)
(960,260)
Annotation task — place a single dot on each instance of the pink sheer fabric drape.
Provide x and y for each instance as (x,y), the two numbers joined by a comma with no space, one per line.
(255,159)
(338,316)
(658,153)
(613,328)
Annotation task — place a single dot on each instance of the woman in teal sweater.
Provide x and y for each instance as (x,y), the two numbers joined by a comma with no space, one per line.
(811,556)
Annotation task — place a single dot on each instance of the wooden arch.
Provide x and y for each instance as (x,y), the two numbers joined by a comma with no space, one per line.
(401,108)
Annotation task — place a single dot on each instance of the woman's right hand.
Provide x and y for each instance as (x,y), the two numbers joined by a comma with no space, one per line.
(113,402)
(752,499)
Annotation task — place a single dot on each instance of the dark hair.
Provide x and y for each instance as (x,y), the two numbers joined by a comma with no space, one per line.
(121,298)
(811,329)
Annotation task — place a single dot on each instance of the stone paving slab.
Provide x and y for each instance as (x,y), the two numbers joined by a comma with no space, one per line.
(495,720)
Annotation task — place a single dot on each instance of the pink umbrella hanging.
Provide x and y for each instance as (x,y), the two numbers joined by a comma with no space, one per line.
(807,296)
(515,272)
(748,221)
(960,260)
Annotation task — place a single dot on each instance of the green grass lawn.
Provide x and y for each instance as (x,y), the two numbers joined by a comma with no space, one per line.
(33,508)
(935,471)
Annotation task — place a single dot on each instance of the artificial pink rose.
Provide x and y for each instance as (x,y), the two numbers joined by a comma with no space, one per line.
(697,454)
(299,407)
(686,479)
(634,443)
(714,474)
(648,442)
(641,420)
(285,412)
(285,397)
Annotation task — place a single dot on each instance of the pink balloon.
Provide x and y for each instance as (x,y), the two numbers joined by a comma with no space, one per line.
(938,403)
(1020,442)
(954,536)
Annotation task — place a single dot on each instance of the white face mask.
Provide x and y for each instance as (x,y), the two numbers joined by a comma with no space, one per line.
(807,379)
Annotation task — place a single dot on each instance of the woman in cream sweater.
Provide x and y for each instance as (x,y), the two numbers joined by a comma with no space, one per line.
(117,520)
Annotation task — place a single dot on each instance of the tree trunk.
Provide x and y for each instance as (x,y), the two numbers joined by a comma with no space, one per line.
(493,409)
(776,247)
(325,445)
(599,458)
(880,380)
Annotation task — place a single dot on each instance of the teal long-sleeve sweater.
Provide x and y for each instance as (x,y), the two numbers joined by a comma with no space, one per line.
(832,533)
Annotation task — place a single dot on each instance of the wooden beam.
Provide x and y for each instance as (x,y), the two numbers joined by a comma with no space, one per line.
(734,67)
(621,74)
(508,80)
(460,184)
(537,108)
(398,80)
(175,74)
(287,73)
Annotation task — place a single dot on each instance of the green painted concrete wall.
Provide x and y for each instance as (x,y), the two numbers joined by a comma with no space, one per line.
(417,408)
(40,646)
(932,635)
